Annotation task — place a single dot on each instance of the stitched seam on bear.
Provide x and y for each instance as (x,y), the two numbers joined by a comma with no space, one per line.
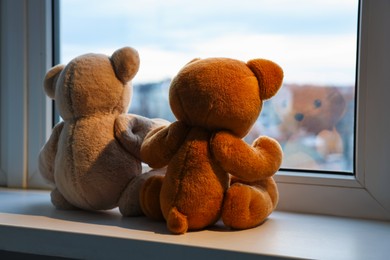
(71,141)
(74,179)
(118,104)
(186,117)
(211,151)
(208,114)
(182,174)
(69,82)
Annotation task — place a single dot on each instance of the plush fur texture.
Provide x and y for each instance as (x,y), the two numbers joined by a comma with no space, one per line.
(93,156)
(211,171)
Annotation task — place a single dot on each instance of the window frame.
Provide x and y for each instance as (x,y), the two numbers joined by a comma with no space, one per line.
(26,114)
(365,194)
(26,121)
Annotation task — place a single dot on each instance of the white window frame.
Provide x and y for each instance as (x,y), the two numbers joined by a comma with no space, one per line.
(26,121)
(26,112)
(365,195)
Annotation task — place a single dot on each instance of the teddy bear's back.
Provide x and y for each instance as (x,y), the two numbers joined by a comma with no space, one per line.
(193,163)
(88,153)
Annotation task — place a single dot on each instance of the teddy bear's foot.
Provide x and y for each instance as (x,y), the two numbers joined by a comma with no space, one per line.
(245,206)
(177,222)
(150,197)
(129,202)
(59,201)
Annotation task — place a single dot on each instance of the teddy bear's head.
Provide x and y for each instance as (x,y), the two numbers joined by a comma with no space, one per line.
(309,120)
(223,93)
(314,108)
(93,83)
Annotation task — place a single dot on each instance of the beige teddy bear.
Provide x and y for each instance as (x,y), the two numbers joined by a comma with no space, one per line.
(93,155)
(309,120)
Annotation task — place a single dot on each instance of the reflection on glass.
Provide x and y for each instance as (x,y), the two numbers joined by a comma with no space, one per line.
(314,42)
(314,124)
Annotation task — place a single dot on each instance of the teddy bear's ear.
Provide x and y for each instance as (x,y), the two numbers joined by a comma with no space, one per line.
(50,80)
(269,76)
(126,63)
(193,60)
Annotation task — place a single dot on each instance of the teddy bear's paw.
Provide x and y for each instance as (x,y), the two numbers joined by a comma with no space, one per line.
(150,197)
(245,206)
(59,201)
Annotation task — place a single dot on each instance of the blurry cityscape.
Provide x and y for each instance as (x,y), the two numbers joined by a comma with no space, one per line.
(313,41)
(314,124)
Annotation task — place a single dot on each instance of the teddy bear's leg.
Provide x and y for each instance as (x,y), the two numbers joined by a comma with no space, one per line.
(131,198)
(247,205)
(59,200)
(150,197)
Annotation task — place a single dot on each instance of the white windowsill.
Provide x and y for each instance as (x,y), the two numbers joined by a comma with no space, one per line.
(30,224)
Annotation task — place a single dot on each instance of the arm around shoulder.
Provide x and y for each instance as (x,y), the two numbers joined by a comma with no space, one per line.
(130,131)
(161,144)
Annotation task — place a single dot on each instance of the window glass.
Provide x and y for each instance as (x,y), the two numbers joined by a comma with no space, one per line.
(314,42)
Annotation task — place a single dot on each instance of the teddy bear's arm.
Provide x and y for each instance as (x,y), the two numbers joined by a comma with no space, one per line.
(161,144)
(250,163)
(130,131)
(48,154)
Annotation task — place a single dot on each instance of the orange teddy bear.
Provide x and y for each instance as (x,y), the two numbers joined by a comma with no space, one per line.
(212,172)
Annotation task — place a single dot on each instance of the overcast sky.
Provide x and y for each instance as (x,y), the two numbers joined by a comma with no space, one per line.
(314,41)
